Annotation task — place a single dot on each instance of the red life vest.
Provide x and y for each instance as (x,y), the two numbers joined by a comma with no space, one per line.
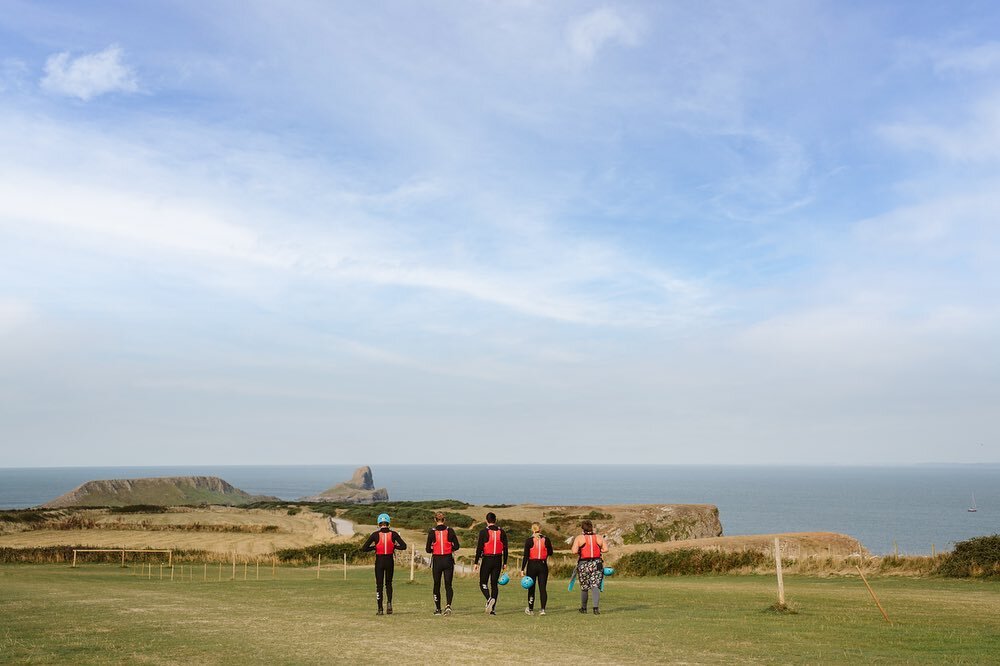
(538,550)
(442,546)
(494,546)
(385,545)
(591,549)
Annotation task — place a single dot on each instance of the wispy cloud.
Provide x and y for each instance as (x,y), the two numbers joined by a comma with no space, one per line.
(89,75)
(595,30)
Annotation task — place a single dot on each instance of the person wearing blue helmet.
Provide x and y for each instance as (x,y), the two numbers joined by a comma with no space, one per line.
(537,550)
(385,542)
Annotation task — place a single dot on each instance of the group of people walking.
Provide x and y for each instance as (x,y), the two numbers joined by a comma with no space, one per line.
(490,561)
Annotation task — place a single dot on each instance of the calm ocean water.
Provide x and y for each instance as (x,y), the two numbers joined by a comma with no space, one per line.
(914,506)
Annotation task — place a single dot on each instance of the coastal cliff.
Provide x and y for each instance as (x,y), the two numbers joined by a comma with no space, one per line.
(161,491)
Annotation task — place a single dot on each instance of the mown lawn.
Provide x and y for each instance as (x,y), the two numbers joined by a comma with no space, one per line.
(102,614)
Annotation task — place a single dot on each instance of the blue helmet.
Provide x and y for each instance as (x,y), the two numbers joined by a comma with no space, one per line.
(382,518)
(527,582)
(504,579)
(609,571)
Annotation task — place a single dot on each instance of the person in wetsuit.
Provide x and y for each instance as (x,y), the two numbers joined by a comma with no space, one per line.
(590,567)
(441,543)
(384,542)
(492,550)
(537,550)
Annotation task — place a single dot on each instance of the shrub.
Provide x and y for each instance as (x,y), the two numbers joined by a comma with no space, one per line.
(294,510)
(138,508)
(650,533)
(977,557)
(688,561)
(29,516)
(328,551)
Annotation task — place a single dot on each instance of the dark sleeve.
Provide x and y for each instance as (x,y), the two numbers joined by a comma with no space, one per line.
(398,541)
(370,544)
(430,541)
(480,544)
(548,547)
(527,552)
(503,540)
(455,545)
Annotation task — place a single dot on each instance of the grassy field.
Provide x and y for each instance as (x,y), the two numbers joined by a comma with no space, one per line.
(102,614)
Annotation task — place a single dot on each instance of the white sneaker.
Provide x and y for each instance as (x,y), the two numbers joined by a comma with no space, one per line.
(447,610)
(527,611)
(490,603)
(541,612)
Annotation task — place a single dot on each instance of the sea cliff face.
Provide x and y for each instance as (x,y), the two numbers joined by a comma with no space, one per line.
(360,489)
(162,491)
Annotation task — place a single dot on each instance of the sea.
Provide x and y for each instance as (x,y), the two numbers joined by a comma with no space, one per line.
(908,508)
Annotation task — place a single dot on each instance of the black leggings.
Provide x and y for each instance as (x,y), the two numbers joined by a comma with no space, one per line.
(539,572)
(489,573)
(442,565)
(385,565)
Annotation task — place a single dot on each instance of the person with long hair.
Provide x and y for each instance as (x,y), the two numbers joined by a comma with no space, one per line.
(384,542)
(441,543)
(537,550)
(590,567)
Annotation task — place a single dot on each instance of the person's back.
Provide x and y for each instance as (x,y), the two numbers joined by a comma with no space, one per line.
(537,550)
(385,542)
(441,543)
(491,551)
(590,548)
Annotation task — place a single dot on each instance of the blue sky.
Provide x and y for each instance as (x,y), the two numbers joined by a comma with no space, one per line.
(665,232)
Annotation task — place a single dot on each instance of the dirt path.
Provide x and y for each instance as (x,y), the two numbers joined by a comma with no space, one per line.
(343,527)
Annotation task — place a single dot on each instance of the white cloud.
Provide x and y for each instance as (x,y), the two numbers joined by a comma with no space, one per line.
(90,75)
(12,74)
(13,314)
(589,33)
(980,58)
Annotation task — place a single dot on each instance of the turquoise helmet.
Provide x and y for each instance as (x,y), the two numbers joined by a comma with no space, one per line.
(527,582)
(609,571)
(504,579)
(382,518)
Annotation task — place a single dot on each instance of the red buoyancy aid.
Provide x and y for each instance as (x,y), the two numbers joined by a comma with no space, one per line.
(493,546)
(590,550)
(442,546)
(538,550)
(385,545)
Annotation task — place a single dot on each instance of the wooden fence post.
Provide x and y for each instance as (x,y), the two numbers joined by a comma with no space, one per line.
(319,563)
(74,559)
(777,567)
(234,565)
(413,560)
(123,557)
(205,577)
(345,566)
(872,592)
(257,565)
(273,562)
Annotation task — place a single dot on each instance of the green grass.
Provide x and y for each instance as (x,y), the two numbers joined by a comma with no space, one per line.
(102,614)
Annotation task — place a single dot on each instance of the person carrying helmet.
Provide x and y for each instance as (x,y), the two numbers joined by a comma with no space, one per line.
(441,543)
(537,550)
(384,542)
(492,550)
(590,566)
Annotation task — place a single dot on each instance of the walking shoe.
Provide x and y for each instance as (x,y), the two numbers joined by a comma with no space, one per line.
(490,603)
(447,609)
(378,612)
(388,610)
(527,611)
(437,611)
(541,612)
(493,612)
(583,610)
(596,612)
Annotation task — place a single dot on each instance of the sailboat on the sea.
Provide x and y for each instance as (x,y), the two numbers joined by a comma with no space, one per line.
(973,509)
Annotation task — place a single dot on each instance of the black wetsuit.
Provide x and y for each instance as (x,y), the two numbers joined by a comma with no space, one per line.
(442,565)
(385,565)
(490,569)
(539,572)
